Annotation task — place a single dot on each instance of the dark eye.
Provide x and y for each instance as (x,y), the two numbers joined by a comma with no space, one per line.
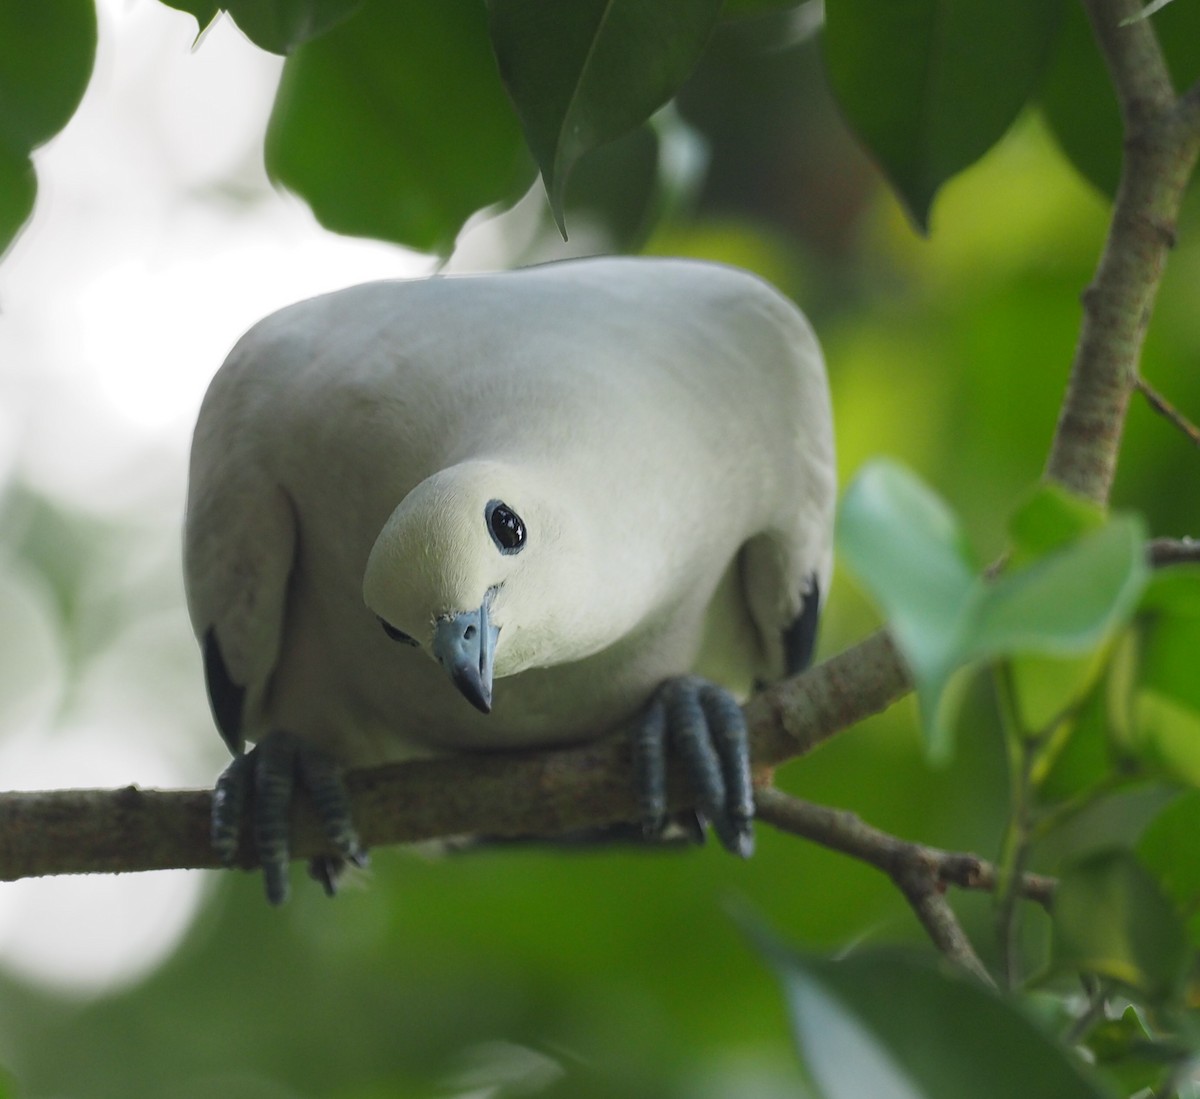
(395,634)
(506,526)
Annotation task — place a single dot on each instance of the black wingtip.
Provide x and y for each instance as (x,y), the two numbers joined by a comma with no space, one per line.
(225,697)
(800,638)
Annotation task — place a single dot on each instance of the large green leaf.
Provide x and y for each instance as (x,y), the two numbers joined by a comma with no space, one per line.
(1066,602)
(931,85)
(1112,918)
(46,55)
(275,25)
(282,25)
(1167,848)
(1049,518)
(891,1025)
(203,11)
(18,189)
(1162,705)
(1127,1052)
(586,72)
(395,125)
(905,545)
(1077,98)
(737,9)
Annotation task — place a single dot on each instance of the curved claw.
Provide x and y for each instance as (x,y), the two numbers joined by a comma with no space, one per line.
(278,764)
(703,724)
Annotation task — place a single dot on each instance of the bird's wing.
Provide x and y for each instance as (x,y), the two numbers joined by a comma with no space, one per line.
(239,544)
(714,444)
(783,570)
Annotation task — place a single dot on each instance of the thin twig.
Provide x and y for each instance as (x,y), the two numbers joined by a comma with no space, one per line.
(845,831)
(1163,407)
(1014,850)
(1162,552)
(922,873)
(1095,1012)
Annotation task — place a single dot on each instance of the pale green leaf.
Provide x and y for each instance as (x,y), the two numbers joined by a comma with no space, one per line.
(891,1025)
(1068,601)
(906,547)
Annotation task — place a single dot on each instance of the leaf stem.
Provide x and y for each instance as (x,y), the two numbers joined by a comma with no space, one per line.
(1014,848)
(1164,408)
(1095,1012)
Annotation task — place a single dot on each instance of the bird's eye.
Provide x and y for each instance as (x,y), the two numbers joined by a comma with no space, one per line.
(506,526)
(395,634)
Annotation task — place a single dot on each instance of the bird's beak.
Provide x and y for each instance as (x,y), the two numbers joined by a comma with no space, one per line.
(465,645)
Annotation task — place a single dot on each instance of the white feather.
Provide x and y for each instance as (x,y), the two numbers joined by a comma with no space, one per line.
(662,427)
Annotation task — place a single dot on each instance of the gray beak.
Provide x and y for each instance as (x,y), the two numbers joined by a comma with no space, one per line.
(465,645)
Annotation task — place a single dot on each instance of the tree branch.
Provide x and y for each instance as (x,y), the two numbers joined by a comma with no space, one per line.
(1170,551)
(1162,141)
(552,792)
(921,873)
(545,793)
(1168,411)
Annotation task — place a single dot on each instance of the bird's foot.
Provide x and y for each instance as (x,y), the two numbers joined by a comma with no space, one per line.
(267,776)
(702,724)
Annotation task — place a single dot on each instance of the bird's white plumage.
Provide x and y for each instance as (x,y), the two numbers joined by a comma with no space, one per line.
(662,427)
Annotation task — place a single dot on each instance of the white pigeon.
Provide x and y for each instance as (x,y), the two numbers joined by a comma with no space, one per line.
(563,490)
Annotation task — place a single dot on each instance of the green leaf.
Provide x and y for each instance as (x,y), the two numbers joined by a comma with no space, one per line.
(1068,601)
(1167,848)
(204,11)
(394,125)
(619,187)
(1175,590)
(907,548)
(1164,701)
(890,1025)
(1048,687)
(1171,637)
(586,72)
(1079,757)
(1167,736)
(737,9)
(275,25)
(18,189)
(1078,101)
(46,55)
(1127,1052)
(1149,9)
(1112,918)
(931,85)
(1050,518)
(905,545)
(281,25)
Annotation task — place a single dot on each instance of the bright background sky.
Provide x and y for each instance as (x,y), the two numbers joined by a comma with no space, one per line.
(157,240)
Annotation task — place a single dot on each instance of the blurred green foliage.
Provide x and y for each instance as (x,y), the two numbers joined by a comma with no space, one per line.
(621,972)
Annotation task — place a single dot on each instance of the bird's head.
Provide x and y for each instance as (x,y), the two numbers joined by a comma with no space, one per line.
(478,569)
